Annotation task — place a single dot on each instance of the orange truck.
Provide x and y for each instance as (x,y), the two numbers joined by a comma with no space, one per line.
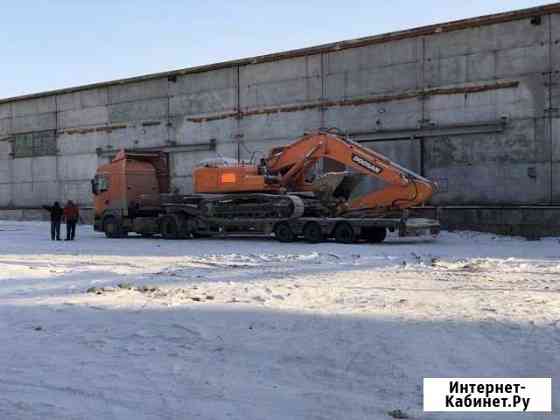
(285,194)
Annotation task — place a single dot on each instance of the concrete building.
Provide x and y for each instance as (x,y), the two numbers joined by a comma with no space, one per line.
(472,104)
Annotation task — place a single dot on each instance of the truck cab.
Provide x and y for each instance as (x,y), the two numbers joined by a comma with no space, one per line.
(127,188)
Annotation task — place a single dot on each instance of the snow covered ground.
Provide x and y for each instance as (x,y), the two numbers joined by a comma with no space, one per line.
(255,329)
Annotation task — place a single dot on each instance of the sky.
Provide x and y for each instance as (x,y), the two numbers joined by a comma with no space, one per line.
(53,44)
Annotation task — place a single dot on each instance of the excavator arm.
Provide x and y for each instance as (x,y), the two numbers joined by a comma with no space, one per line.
(405,188)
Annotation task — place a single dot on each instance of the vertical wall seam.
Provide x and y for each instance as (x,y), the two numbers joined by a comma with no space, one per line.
(239,116)
(168,122)
(422,105)
(323,88)
(11,161)
(56,138)
(549,116)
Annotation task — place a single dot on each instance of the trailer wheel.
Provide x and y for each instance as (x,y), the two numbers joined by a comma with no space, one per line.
(344,233)
(375,235)
(169,227)
(283,232)
(113,227)
(313,233)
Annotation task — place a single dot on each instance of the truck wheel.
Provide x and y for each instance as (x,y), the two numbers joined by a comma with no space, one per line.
(283,232)
(375,235)
(169,227)
(113,228)
(313,233)
(344,233)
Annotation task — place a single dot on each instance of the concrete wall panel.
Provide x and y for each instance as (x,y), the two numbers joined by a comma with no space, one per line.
(5,127)
(5,195)
(555,42)
(92,116)
(372,82)
(448,71)
(373,70)
(22,170)
(5,110)
(151,135)
(554,130)
(210,101)
(280,83)
(404,114)
(77,191)
(184,131)
(72,144)
(82,99)
(77,167)
(139,110)
(44,168)
(287,69)
(513,103)
(281,92)
(510,63)
(279,127)
(5,171)
(405,51)
(27,194)
(483,184)
(37,122)
(481,66)
(130,92)
(203,82)
(522,61)
(122,139)
(5,150)
(489,38)
(516,144)
(42,105)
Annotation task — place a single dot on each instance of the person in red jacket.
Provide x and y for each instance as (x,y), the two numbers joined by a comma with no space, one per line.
(71,216)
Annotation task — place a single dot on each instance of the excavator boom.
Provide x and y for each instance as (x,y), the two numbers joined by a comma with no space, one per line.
(405,188)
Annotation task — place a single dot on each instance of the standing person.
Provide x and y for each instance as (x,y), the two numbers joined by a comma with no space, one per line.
(56,217)
(71,215)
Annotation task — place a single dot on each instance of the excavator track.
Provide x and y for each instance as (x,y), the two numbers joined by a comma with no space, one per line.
(252,206)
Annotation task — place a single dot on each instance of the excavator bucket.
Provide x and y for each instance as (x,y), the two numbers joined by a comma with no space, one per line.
(335,184)
(348,185)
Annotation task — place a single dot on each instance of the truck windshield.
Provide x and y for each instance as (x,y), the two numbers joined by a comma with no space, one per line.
(99,184)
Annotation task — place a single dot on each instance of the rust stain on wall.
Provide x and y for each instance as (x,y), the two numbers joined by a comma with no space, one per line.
(361,101)
(105,128)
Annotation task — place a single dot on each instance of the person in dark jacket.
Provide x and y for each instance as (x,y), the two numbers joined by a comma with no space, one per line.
(56,217)
(71,215)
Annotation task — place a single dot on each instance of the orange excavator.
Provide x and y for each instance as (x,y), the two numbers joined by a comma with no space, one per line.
(287,194)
